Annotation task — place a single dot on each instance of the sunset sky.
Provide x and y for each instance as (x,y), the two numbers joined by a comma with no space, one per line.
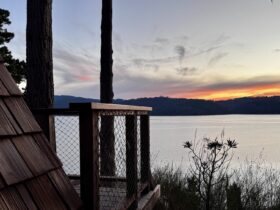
(209,49)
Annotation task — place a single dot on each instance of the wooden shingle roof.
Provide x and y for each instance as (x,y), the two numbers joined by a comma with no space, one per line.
(31,175)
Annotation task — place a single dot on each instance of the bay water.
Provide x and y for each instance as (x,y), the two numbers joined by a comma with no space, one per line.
(257,135)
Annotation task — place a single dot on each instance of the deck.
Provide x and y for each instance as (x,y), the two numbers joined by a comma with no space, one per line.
(113,197)
(108,147)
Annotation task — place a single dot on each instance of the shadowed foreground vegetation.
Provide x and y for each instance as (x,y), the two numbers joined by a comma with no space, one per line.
(254,186)
(211,184)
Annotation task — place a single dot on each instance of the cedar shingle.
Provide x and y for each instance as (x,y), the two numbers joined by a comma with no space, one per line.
(7,126)
(3,206)
(13,169)
(42,141)
(8,81)
(12,199)
(44,193)
(3,90)
(33,156)
(22,114)
(65,189)
(26,158)
(26,197)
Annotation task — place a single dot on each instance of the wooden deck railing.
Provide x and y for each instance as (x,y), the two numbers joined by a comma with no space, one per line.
(130,125)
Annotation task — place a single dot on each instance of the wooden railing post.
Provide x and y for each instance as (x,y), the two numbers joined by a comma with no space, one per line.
(131,159)
(89,161)
(145,150)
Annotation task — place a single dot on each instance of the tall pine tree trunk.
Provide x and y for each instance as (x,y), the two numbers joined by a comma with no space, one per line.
(40,88)
(106,91)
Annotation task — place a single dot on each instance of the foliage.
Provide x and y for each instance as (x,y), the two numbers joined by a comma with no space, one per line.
(16,67)
(254,185)
(178,191)
(259,184)
(210,162)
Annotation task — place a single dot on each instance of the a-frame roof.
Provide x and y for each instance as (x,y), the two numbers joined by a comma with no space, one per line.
(31,175)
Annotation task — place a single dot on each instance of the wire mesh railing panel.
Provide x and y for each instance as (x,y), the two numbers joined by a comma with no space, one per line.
(67,143)
(112,134)
(120,148)
(119,153)
(138,147)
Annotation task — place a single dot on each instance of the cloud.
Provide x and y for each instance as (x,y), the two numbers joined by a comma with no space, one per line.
(276,50)
(142,61)
(180,51)
(131,86)
(202,51)
(117,43)
(184,71)
(74,69)
(221,39)
(161,41)
(223,88)
(140,72)
(224,83)
(183,38)
(215,59)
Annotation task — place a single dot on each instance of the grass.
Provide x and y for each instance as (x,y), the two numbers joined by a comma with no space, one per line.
(177,189)
(255,185)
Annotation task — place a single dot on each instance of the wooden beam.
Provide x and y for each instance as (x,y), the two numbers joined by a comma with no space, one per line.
(89,160)
(131,159)
(145,150)
(113,107)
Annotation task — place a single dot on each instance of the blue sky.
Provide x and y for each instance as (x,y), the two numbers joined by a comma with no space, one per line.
(181,48)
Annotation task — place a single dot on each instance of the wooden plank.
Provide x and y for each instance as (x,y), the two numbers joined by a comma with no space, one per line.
(8,81)
(26,197)
(12,167)
(22,114)
(46,148)
(12,199)
(44,194)
(145,149)
(8,126)
(3,90)
(89,159)
(103,106)
(148,201)
(131,158)
(34,157)
(65,189)
(3,205)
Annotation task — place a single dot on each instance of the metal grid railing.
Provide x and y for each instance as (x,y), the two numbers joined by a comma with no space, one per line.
(67,143)
(119,153)
(113,134)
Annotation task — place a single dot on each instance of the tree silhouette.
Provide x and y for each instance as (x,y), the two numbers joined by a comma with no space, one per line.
(106,91)
(15,66)
(39,89)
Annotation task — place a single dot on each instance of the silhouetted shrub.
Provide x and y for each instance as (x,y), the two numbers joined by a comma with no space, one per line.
(178,191)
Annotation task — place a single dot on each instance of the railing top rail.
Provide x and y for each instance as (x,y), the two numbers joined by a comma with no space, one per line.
(111,107)
(56,111)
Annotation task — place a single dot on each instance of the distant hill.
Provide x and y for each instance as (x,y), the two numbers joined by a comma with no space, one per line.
(179,106)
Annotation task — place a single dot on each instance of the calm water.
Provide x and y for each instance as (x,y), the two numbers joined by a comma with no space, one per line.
(255,134)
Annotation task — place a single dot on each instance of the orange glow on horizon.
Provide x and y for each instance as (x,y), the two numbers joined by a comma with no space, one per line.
(225,94)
